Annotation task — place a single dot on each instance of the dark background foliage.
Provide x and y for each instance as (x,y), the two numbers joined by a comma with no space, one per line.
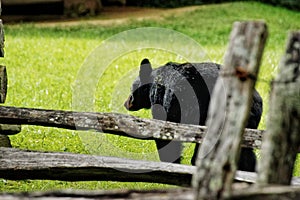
(290,4)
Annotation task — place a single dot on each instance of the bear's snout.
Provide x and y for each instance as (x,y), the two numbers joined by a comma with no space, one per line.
(128,103)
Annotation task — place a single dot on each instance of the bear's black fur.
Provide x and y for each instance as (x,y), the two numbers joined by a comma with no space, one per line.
(181,93)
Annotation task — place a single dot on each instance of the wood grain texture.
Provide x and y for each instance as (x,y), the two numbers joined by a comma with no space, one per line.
(282,139)
(250,193)
(228,111)
(16,164)
(3,83)
(114,123)
(21,164)
(1,39)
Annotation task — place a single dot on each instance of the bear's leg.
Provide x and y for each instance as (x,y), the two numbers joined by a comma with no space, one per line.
(193,161)
(247,160)
(169,151)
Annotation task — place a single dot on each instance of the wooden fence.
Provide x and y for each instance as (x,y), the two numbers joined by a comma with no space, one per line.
(213,176)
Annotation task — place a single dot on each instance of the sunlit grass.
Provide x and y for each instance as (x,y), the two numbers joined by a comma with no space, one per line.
(44,63)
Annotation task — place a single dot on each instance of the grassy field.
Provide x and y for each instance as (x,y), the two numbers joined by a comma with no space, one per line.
(45,64)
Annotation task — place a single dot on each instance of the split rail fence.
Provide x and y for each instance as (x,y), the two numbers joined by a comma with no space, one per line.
(215,176)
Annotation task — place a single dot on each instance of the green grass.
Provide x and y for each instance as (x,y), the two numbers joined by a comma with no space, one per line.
(43,66)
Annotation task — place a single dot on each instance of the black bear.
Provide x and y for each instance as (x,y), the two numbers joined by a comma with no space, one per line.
(181,93)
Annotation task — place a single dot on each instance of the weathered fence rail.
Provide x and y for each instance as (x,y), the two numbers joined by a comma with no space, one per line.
(271,192)
(19,164)
(117,124)
(216,170)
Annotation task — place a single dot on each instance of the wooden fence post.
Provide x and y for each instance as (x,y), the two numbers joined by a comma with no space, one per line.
(1,38)
(282,138)
(7,129)
(228,112)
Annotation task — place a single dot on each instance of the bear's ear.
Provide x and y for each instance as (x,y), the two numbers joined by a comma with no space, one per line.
(145,71)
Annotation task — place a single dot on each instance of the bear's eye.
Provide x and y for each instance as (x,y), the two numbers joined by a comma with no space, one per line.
(131,98)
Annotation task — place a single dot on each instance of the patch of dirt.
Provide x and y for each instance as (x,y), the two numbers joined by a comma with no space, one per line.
(108,16)
(125,12)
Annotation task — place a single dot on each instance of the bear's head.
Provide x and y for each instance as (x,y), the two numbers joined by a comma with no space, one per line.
(140,90)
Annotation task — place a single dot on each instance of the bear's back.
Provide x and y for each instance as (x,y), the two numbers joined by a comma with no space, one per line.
(173,75)
(184,90)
